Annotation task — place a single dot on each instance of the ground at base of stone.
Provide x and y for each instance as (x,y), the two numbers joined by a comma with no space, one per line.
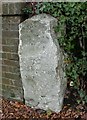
(14,110)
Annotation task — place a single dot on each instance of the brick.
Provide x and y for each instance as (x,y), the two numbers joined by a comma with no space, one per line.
(10,87)
(5,20)
(0,85)
(0,77)
(0,63)
(11,20)
(6,81)
(5,8)
(11,48)
(6,69)
(5,87)
(0,48)
(11,8)
(16,69)
(11,82)
(15,8)
(13,41)
(6,26)
(12,92)
(16,83)
(3,55)
(0,74)
(10,56)
(0,55)
(4,41)
(0,37)
(18,8)
(12,34)
(0,8)
(11,69)
(11,76)
(14,27)
(10,62)
(10,41)
(15,20)
(0,94)
(10,28)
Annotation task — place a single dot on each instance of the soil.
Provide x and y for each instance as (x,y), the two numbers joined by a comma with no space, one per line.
(14,110)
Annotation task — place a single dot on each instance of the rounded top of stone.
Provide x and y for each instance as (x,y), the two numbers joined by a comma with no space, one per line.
(41,18)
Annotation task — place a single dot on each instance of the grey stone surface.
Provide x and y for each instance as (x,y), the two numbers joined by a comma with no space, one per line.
(41,63)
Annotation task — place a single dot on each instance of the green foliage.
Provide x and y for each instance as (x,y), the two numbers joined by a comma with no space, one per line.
(27,10)
(72,25)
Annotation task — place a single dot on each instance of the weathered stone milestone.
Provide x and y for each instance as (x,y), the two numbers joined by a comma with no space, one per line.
(41,63)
